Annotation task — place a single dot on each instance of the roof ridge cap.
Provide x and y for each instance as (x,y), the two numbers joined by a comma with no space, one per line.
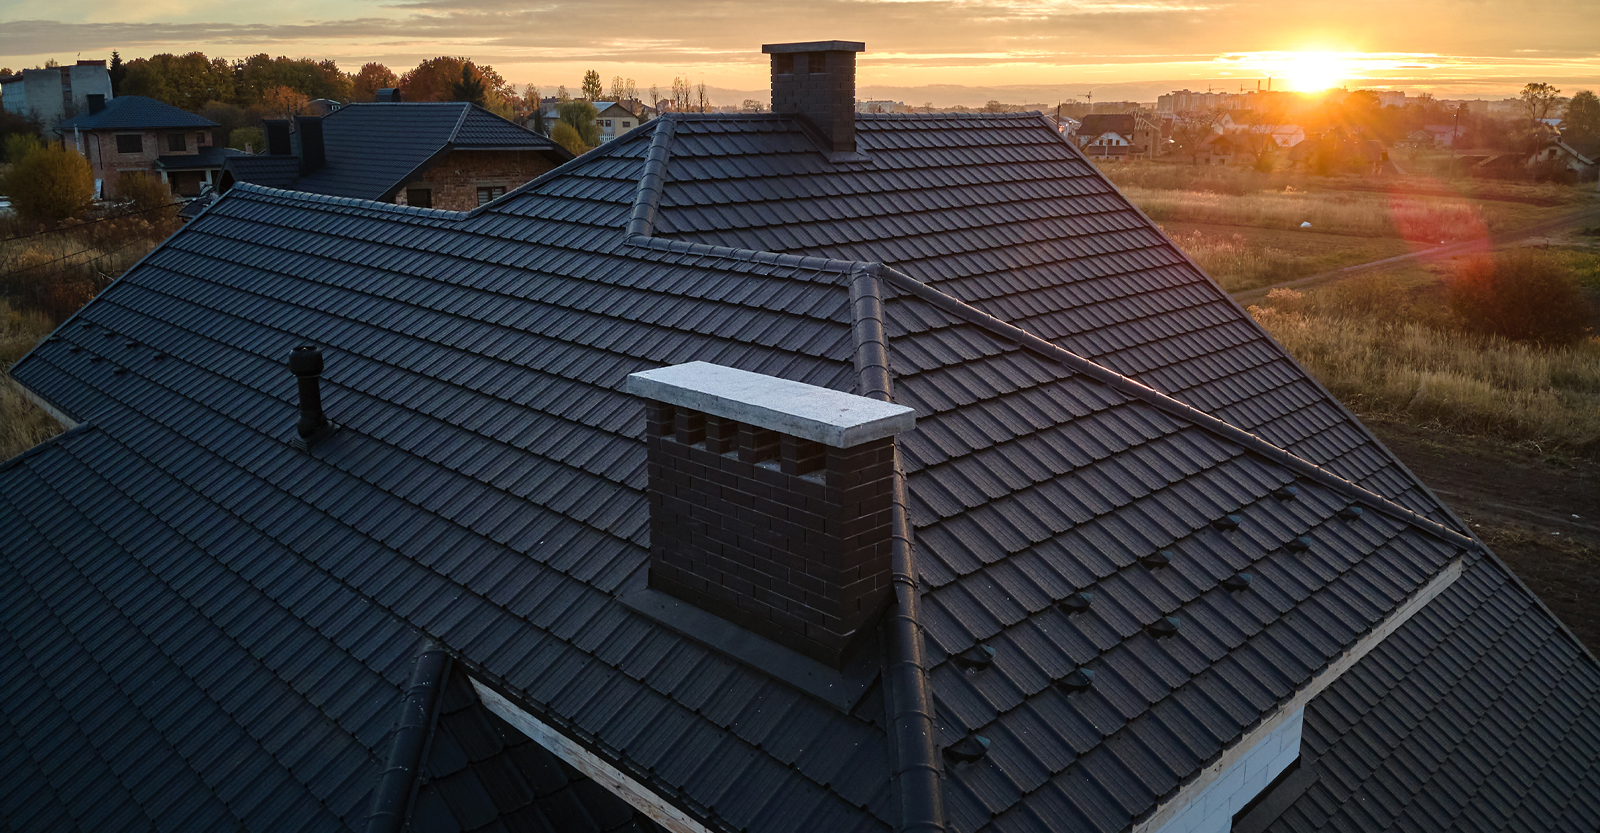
(460,120)
(1175,408)
(307,197)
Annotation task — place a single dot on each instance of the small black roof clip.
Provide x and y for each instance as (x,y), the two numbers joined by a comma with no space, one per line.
(1077,602)
(1349,513)
(1289,492)
(976,657)
(1237,582)
(966,750)
(1157,559)
(1080,679)
(1165,626)
(1298,544)
(1227,523)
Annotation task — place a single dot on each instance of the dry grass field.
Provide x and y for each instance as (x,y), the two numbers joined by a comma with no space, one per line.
(22,424)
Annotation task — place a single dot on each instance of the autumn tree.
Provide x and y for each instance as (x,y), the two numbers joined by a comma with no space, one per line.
(372,78)
(436,78)
(185,81)
(313,79)
(681,100)
(50,184)
(1539,99)
(591,89)
(229,117)
(284,102)
(1581,121)
(567,136)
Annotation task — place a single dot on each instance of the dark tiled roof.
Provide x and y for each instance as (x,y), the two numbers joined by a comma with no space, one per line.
(268,171)
(373,149)
(486,487)
(208,157)
(1095,124)
(135,112)
(992,211)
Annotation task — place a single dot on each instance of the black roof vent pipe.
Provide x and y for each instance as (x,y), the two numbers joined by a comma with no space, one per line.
(305,362)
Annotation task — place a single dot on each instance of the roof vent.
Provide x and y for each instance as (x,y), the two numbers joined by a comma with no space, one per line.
(967,750)
(1349,513)
(389,95)
(97,102)
(1286,492)
(770,502)
(1157,559)
(1077,602)
(818,80)
(1163,627)
(1300,544)
(308,130)
(278,141)
(976,657)
(1227,523)
(1079,680)
(1237,581)
(305,362)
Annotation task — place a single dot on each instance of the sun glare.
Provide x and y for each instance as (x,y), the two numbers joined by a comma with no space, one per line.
(1311,72)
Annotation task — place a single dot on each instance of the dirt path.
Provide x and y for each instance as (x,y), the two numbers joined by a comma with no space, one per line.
(1579,218)
(1539,513)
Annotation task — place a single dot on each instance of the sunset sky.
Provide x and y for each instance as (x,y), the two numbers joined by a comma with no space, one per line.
(945,51)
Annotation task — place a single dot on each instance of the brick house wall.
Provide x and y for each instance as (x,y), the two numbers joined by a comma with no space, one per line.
(108,164)
(453,182)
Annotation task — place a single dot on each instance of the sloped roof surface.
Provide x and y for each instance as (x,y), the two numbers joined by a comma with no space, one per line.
(486,488)
(268,171)
(373,148)
(1479,714)
(135,112)
(1096,123)
(991,210)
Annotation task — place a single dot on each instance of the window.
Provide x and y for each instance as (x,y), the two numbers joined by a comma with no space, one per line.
(130,143)
(423,197)
(608,122)
(199,140)
(177,142)
(626,125)
(490,193)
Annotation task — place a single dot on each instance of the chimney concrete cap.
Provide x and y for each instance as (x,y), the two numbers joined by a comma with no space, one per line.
(814,46)
(841,420)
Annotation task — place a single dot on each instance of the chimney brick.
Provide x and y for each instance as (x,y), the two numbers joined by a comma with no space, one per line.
(779,524)
(818,80)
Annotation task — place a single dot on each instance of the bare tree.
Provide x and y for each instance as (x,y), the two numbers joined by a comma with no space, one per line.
(1539,99)
(702,101)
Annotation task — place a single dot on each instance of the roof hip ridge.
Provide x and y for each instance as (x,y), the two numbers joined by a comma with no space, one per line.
(1175,408)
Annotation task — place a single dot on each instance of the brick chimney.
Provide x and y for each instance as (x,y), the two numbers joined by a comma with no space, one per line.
(818,80)
(770,502)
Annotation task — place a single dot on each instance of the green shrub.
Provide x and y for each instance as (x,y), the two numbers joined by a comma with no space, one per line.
(1520,295)
(566,136)
(580,115)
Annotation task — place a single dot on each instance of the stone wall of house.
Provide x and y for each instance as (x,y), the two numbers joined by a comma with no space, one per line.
(453,181)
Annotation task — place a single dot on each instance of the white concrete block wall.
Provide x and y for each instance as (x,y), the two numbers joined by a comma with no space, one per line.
(1212,810)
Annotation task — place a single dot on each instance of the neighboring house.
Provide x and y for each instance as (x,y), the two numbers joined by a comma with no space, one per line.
(791,472)
(1580,157)
(612,119)
(1444,135)
(1107,134)
(1257,124)
(135,134)
(449,155)
(1225,149)
(54,94)
(1417,139)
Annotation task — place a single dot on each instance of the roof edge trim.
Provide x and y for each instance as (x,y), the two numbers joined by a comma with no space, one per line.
(614,780)
(1175,408)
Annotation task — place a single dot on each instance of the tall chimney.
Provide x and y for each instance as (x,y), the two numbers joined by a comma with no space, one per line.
(305,362)
(770,502)
(818,80)
(312,153)
(278,143)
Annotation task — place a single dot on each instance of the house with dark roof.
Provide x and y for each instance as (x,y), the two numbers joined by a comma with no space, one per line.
(798,471)
(450,155)
(135,134)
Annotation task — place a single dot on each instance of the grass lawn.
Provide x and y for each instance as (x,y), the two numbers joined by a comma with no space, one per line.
(1243,258)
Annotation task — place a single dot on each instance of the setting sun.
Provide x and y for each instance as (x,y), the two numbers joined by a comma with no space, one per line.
(1311,72)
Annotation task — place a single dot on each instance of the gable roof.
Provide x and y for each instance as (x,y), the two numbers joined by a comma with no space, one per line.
(135,112)
(486,484)
(211,156)
(373,149)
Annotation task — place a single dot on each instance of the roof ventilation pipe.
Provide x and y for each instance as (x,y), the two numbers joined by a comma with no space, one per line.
(278,142)
(305,362)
